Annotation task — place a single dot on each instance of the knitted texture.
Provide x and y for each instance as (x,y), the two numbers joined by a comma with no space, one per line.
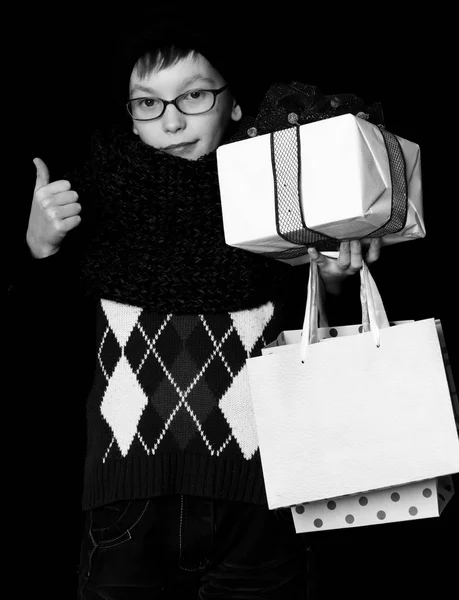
(170,410)
(179,313)
(155,230)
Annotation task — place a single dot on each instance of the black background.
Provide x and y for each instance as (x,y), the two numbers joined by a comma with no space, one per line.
(61,76)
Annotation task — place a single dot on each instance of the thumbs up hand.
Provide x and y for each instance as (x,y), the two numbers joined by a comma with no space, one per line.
(55,211)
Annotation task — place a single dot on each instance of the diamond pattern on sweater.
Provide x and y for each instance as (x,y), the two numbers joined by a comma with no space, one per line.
(170,412)
(151,377)
(236,405)
(109,352)
(184,426)
(219,434)
(250,329)
(218,376)
(169,345)
(137,349)
(121,319)
(232,352)
(201,399)
(123,404)
(178,377)
(200,345)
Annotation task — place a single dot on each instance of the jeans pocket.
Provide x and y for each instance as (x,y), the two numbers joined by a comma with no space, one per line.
(111,524)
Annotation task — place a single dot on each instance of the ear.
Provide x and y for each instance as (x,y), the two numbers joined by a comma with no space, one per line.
(236,112)
(135,130)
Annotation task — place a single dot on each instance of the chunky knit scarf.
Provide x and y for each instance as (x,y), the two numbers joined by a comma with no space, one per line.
(154,233)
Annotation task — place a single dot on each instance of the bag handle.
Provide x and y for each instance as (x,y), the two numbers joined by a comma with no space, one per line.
(374,315)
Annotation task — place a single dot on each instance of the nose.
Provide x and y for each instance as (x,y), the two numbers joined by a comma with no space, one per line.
(173,120)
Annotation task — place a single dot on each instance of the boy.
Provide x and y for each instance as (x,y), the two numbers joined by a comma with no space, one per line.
(173,488)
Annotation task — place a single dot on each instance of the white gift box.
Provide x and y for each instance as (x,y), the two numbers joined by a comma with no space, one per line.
(420,500)
(342,185)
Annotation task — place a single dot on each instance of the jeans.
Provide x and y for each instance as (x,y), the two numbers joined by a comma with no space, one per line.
(186,547)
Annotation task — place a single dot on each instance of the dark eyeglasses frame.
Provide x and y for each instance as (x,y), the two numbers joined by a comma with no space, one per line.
(174,102)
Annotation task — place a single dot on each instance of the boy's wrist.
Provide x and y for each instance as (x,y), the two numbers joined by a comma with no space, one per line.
(40,251)
(334,287)
(333,282)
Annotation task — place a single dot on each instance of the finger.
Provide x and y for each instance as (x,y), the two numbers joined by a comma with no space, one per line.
(374,250)
(356,255)
(57,214)
(64,218)
(63,198)
(64,225)
(317,256)
(71,223)
(344,258)
(68,210)
(42,173)
(55,187)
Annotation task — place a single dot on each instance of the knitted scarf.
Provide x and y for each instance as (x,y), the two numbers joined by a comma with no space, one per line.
(154,233)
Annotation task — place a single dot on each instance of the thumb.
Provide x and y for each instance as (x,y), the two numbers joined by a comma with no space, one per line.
(317,256)
(42,173)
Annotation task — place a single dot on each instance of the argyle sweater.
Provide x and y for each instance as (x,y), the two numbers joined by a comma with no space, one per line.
(178,313)
(170,410)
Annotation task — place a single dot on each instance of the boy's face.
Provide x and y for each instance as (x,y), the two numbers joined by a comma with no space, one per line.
(199,134)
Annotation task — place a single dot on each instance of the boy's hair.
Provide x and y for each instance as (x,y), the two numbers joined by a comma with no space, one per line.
(161,58)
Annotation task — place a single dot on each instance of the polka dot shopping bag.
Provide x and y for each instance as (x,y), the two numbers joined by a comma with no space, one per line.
(342,416)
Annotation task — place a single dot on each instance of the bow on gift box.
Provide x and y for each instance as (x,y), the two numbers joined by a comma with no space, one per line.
(295,103)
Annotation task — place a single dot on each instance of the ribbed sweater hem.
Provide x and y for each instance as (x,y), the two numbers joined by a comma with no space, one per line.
(174,473)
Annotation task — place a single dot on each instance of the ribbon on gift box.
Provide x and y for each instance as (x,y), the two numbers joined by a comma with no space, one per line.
(284,109)
(290,222)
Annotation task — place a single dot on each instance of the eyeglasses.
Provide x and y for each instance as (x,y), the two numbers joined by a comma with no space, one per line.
(194,102)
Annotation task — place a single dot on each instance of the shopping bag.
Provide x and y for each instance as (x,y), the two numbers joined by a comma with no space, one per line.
(318,183)
(356,413)
(420,500)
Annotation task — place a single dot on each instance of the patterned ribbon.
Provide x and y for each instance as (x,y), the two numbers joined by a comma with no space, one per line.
(290,224)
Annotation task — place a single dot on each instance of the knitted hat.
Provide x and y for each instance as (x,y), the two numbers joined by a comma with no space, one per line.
(185,29)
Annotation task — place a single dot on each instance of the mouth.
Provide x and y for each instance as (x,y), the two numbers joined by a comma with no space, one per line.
(183,148)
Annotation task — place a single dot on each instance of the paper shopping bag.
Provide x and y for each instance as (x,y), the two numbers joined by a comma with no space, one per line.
(362,412)
(420,500)
(314,184)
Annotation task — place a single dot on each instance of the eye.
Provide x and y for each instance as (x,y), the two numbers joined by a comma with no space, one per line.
(148,102)
(194,95)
